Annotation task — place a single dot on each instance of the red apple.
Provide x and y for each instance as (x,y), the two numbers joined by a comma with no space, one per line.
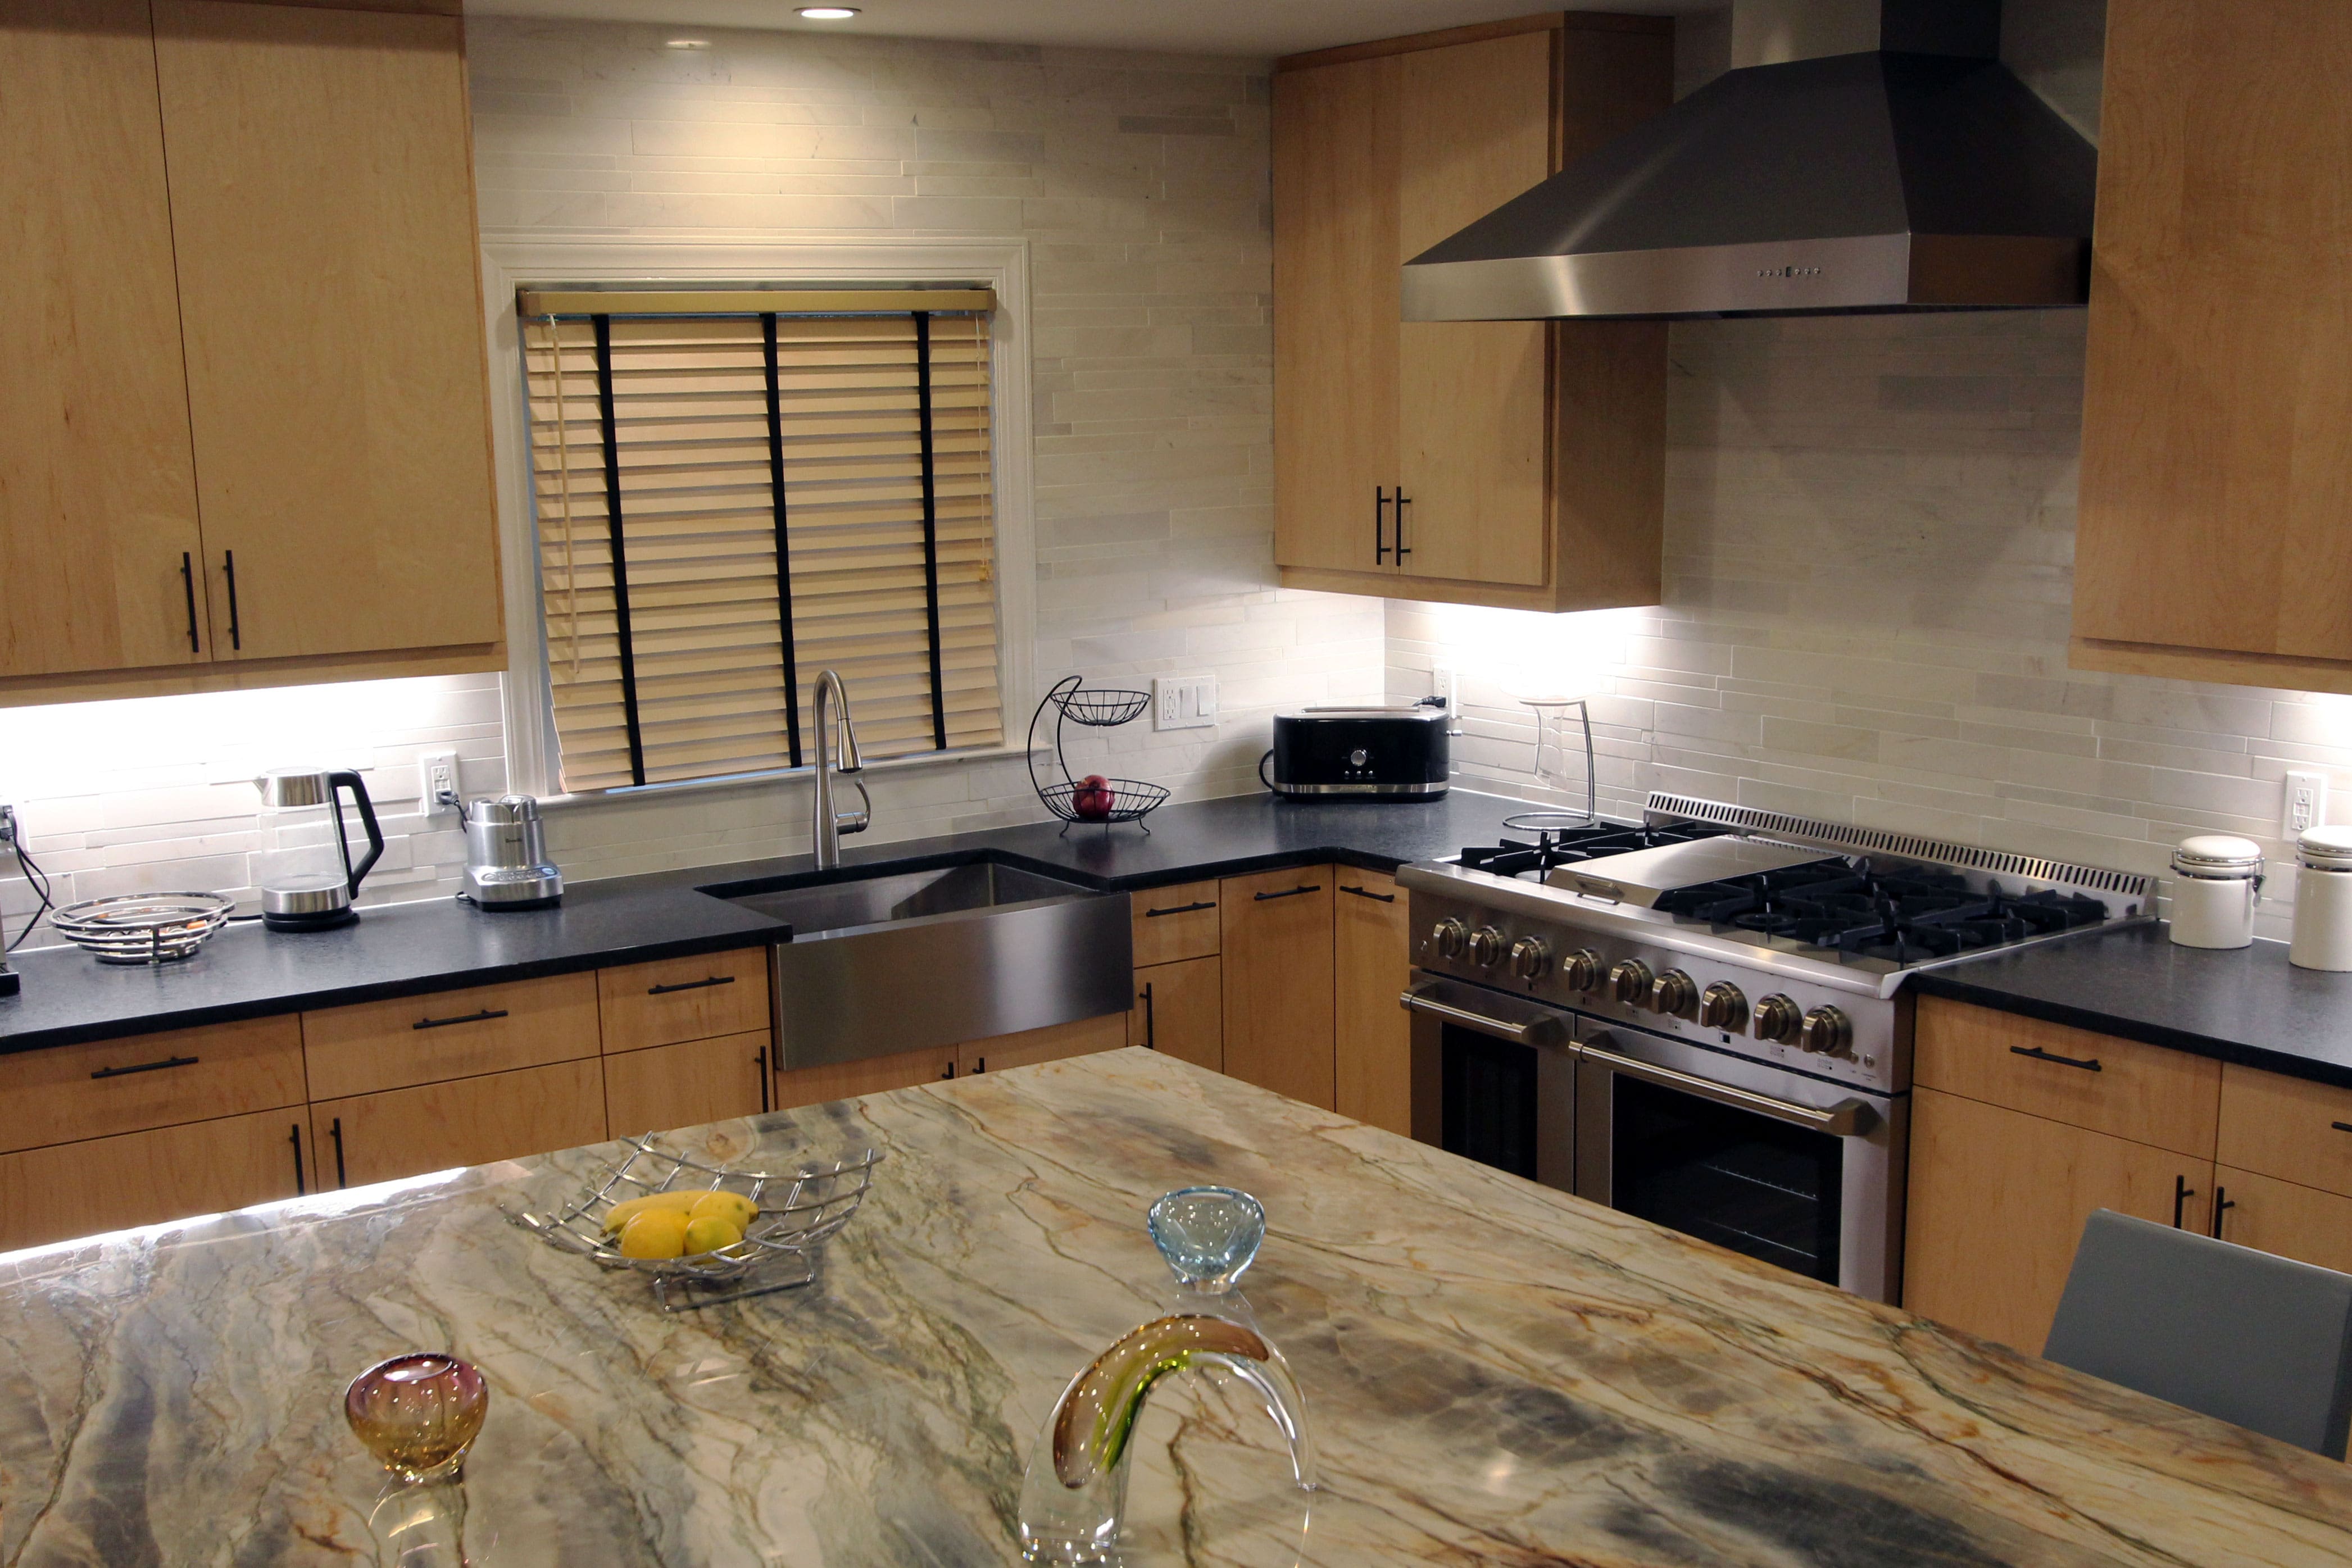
(1092,799)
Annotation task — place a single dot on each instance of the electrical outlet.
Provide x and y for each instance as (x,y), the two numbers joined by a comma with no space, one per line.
(2306,805)
(1445,681)
(1184,702)
(436,775)
(7,827)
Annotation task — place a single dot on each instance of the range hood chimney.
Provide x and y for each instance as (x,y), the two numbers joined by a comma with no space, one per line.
(1911,171)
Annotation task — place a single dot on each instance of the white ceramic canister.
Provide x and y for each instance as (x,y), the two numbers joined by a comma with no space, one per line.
(2218,880)
(2323,900)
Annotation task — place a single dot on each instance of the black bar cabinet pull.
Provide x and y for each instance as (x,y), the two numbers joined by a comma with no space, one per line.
(188,586)
(236,634)
(759,1059)
(2089,1065)
(1179,909)
(1402,501)
(1287,892)
(335,1131)
(1150,1023)
(483,1017)
(1379,525)
(980,1064)
(2181,1193)
(691,985)
(145,1067)
(949,1072)
(301,1178)
(1368,892)
(2341,1127)
(2222,1203)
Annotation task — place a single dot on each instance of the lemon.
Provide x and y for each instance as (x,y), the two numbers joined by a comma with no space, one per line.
(654,1233)
(731,1207)
(629,1208)
(709,1232)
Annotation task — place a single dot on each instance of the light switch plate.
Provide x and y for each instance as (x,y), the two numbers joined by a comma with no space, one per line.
(2305,804)
(437,773)
(1184,702)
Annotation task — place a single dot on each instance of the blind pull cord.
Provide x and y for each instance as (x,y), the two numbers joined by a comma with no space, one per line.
(564,486)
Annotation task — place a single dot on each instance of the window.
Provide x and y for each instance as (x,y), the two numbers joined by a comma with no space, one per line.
(736,488)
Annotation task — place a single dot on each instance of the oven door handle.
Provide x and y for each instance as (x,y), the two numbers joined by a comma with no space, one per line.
(1540,1031)
(1847,1119)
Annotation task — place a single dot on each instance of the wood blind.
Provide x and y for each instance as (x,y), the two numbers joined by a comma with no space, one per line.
(729,504)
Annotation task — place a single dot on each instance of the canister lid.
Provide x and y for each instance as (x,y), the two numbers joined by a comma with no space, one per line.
(2325,849)
(2222,856)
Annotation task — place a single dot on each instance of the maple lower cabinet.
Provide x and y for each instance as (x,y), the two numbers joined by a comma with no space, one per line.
(1505,462)
(663,1087)
(2305,1223)
(873,1076)
(145,1178)
(1371,964)
(2210,543)
(1054,1042)
(1276,936)
(1180,1009)
(463,1121)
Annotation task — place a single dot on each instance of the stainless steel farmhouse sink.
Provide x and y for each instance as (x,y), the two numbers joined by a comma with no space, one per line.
(906,960)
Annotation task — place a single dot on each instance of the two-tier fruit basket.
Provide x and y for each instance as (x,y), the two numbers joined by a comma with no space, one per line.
(1091,797)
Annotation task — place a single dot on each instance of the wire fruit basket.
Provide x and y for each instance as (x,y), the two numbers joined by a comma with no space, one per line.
(143,927)
(800,1210)
(1075,800)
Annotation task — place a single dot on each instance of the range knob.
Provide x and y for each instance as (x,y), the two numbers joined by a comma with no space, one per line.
(1450,937)
(1485,946)
(1580,969)
(1827,1031)
(1530,958)
(1777,1018)
(1630,980)
(1674,994)
(1721,1006)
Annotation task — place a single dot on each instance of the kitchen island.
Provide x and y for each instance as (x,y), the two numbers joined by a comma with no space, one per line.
(1494,1372)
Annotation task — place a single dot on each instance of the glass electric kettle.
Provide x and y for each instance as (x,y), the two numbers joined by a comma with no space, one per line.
(304,865)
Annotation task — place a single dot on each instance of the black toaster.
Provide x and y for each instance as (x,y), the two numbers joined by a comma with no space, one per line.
(1363,753)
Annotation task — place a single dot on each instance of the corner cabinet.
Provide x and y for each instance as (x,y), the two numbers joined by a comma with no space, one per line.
(245,437)
(2216,480)
(1508,463)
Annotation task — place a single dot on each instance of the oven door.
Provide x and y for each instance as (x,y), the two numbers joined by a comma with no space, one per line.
(1790,1169)
(1493,1077)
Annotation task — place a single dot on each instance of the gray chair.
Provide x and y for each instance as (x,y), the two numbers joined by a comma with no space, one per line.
(2261,1340)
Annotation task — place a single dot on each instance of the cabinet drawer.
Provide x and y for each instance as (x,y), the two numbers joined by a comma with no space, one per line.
(75,1091)
(449,1034)
(145,1178)
(685,1085)
(2286,1127)
(1172,923)
(469,1121)
(2119,1087)
(678,999)
(2281,1217)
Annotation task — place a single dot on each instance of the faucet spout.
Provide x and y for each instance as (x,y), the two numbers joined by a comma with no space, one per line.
(1075,1495)
(830,825)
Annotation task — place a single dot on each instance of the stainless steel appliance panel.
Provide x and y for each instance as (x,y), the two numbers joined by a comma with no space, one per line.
(1532,1048)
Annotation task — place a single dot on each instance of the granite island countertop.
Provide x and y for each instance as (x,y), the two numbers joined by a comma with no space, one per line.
(1494,1372)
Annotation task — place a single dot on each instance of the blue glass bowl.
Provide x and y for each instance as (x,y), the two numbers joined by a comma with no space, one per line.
(1208,1235)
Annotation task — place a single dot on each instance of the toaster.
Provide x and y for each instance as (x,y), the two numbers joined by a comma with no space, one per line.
(1368,753)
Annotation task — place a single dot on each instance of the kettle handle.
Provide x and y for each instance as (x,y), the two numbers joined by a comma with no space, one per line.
(336,784)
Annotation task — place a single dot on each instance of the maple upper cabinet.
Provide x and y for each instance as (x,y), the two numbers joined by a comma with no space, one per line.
(2215,533)
(246,338)
(1505,462)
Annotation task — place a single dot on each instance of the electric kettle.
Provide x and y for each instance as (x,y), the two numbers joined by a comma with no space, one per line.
(304,865)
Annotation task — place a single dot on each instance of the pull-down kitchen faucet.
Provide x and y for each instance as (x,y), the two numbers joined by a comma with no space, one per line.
(830,825)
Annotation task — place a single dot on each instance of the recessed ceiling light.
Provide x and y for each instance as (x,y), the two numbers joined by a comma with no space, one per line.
(829,13)
(689,43)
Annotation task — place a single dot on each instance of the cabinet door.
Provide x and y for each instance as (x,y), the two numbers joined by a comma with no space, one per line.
(469,1121)
(1371,964)
(98,495)
(1052,1043)
(2286,1127)
(145,1178)
(1472,410)
(1997,1199)
(668,1086)
(322,211)
(2286,1217)
(1335,322)
(875,1076)
(1277,981)
(1180,1009)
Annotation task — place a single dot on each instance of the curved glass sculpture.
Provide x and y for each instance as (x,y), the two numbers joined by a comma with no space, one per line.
(1074,1494)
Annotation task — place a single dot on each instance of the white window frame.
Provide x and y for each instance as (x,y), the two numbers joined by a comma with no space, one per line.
(511,258)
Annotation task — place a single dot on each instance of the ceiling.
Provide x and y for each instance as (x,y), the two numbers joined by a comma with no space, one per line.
(1259,28)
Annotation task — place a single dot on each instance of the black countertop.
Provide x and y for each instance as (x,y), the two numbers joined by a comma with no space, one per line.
(2247,1005)
(406,949)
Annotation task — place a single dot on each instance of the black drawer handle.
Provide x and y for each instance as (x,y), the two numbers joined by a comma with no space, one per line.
(2181,1193)
(2222,1203)
(690,985)
(2040,1055)
(335,1131)
(483,1017)
(2341,1127)
(301,1173)
(1179,909)
(145,1067)
(1286,892)
(1368,892)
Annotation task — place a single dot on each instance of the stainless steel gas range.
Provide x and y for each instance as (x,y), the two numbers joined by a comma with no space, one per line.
(1702,1019)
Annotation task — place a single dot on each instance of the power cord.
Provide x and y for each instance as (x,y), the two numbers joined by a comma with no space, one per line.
(15,839)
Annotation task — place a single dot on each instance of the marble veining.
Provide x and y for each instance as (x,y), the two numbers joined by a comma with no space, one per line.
(1496,1373)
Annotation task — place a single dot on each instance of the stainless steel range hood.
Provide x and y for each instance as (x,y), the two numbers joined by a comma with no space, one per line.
(1921,176)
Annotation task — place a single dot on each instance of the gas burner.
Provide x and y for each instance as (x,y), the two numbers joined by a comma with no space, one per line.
(1907,915)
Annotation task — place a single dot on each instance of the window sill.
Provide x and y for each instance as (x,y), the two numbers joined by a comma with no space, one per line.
(918,761)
